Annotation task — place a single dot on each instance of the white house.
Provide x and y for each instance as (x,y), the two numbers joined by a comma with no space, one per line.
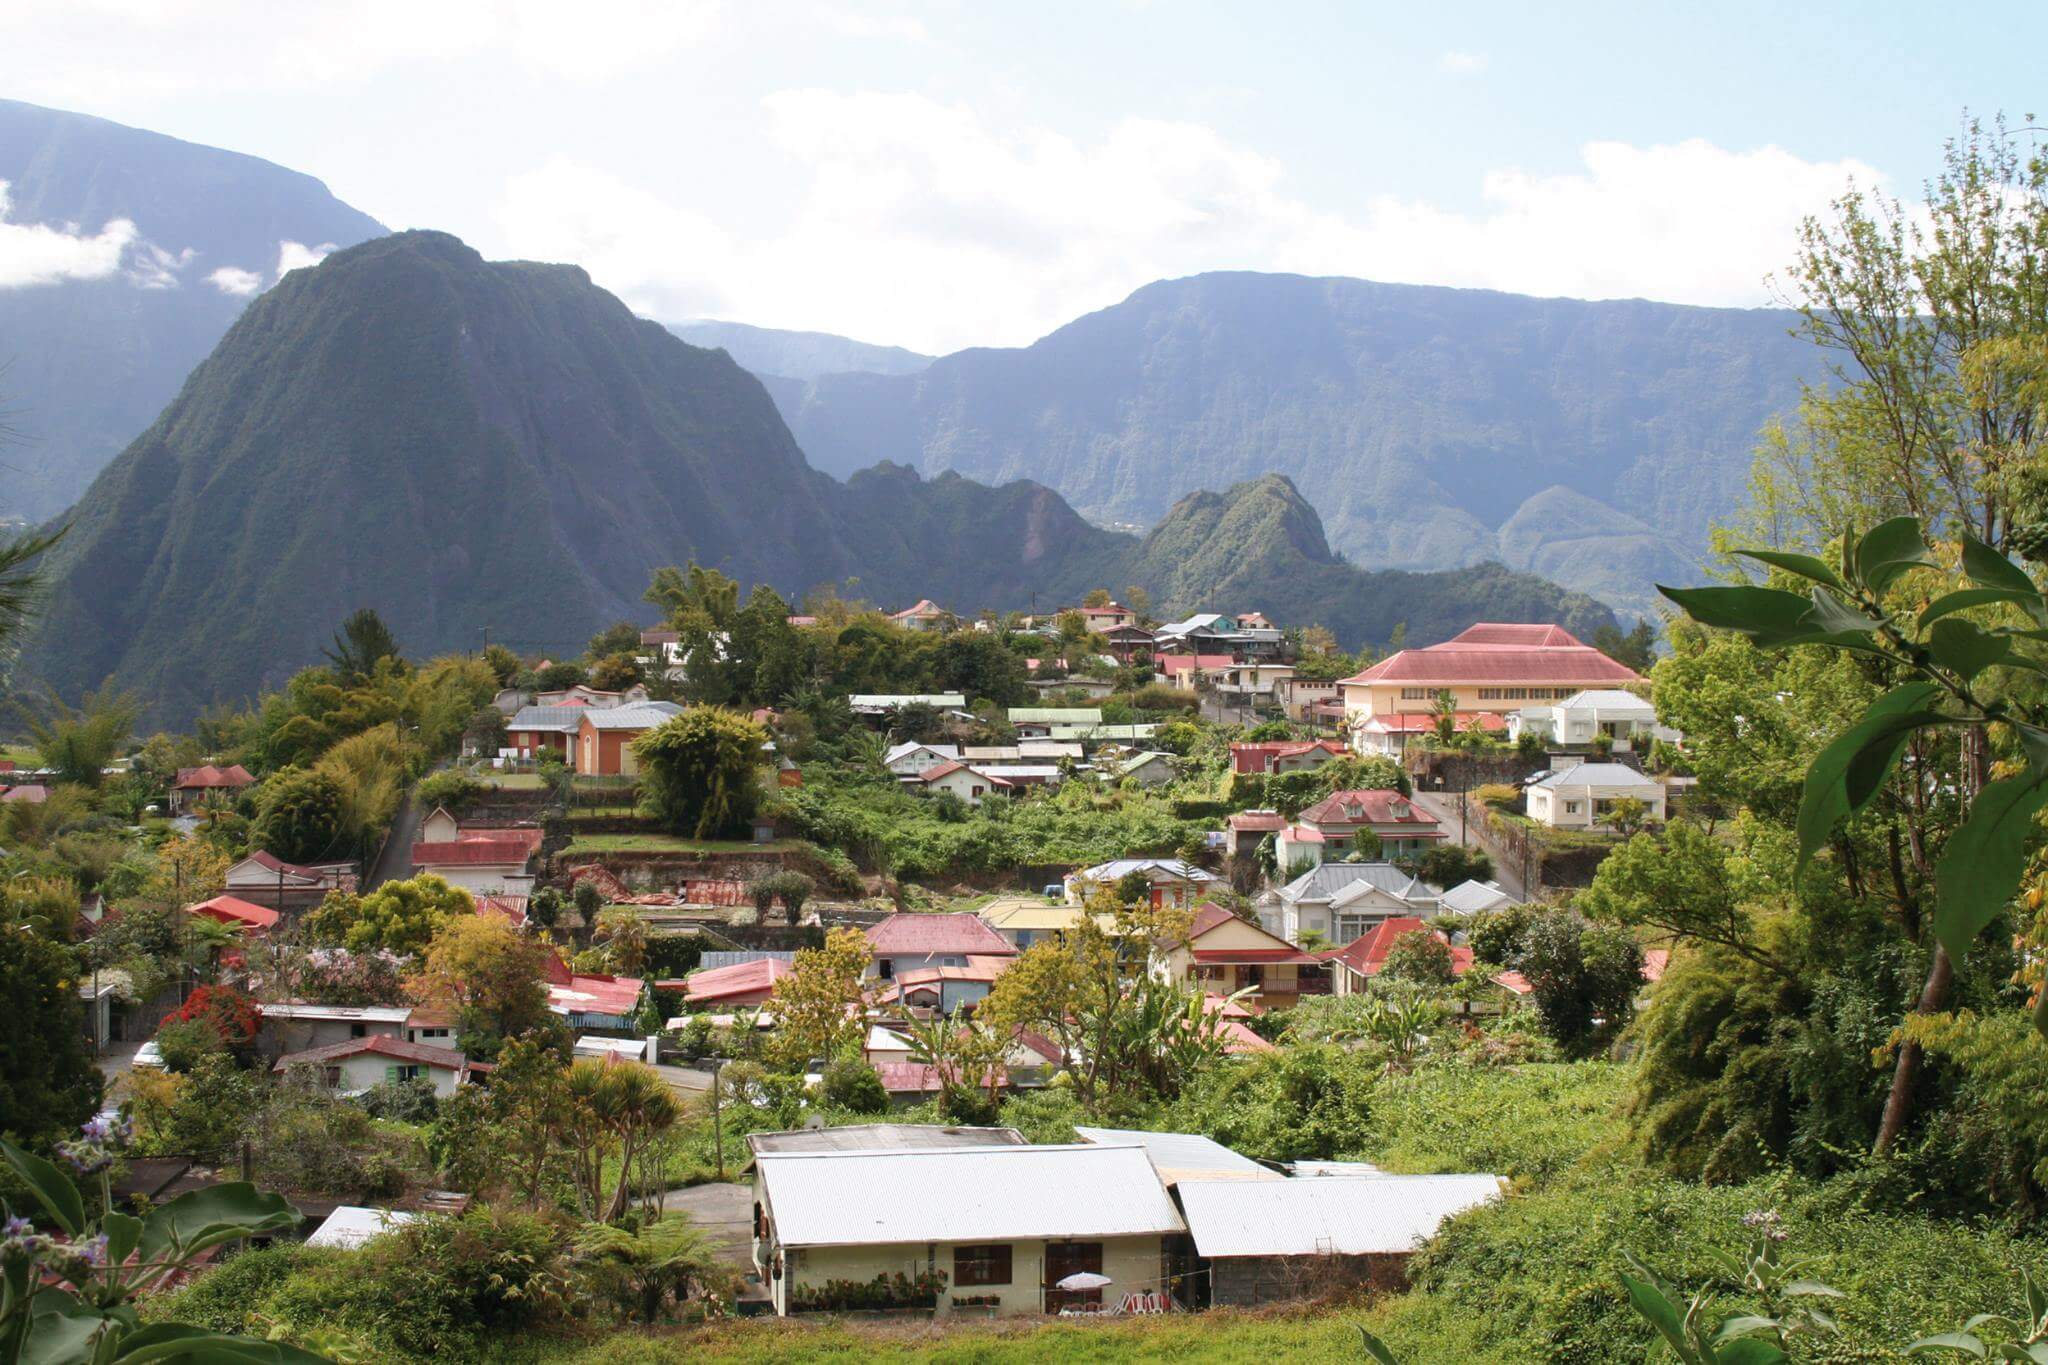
(482,861)
(294,1026)
(1473,897)
(1341,901)
(1623,717)
(354,1066)
(911,759)
(1581,796)
(971,785)
(351,1225)
(1173,882)
(1004,1224)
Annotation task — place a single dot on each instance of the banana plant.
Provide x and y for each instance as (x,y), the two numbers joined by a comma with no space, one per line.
(1947,658)
(66,1297)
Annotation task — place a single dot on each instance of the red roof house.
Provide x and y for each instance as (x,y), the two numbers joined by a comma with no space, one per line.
(231,910)
(743,983)
(1283,755)
(193,785)
(1491,666)
(587,998)
(906,941)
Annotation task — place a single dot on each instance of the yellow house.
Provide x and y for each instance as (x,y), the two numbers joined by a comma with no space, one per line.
(1224,955)
(985,1230)
(1489,667)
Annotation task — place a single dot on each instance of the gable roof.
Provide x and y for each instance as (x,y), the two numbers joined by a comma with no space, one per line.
(1177,868)
(1493,651)
(479,847)
(1469,897)
(1595,775)
(911,746)
(957,934)
(643,715)
(742,978)
(1331,1215)
(1327,880)
(440,1058)
(561,719)
(207,775)
(1367,954)
(1368,806)
(1536,633)
(233,910)
(951,766)
(312,872)
(925,607)
(1182,1156)
(966,1194)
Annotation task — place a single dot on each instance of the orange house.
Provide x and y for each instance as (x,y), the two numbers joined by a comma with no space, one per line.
(604,737)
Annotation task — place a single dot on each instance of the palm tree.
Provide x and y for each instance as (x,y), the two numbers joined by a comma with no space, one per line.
(20,584)
(649,1265)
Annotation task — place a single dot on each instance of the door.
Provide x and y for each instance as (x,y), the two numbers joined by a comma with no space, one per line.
(1071,1258)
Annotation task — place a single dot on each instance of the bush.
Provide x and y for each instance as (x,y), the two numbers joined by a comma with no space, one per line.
(410,1101)
(854,1086)
(453,789)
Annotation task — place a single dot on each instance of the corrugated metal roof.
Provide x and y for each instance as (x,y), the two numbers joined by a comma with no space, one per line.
(980,1194)
(562,718)
(1333,1215)
(882,1137)
(1181,1156)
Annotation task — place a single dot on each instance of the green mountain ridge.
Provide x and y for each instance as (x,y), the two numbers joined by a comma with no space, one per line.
(1429,426)
(467,445)
(90,363)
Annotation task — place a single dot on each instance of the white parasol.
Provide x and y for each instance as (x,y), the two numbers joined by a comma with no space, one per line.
(1083,1279)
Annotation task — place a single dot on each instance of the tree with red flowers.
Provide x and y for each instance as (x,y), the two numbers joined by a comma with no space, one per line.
(232,1015)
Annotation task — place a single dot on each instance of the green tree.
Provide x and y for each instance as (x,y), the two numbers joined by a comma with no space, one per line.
(360,645)
(79,742)
(48,1082)
(1420,956)
(302,817)
(620,637)
(817,1003)
(503,663)
(1634,648)
(700,772)
(490,974)
(1626,814)
(1586,977)
(399,917)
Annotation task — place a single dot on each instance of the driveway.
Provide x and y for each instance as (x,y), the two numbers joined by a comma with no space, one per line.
(394,860)
(1443,808)
(725,1213)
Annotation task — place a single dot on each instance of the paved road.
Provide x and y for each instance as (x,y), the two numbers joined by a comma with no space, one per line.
(1444,807)
(394,860)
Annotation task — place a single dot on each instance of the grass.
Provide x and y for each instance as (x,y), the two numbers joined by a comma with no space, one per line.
(514,782)
(23,755)
(668,843)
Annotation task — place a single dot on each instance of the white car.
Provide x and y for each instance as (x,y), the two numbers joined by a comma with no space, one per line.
(149,1054)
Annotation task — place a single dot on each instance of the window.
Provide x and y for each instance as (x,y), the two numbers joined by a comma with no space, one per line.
(357,1030)
(1416,694)
(1571,807)
(981,1264)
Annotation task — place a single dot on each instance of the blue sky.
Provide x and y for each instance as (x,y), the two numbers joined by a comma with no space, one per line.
(945,174)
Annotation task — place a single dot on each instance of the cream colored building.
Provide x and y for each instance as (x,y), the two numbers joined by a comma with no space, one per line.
(1489,667)
(1002,1224)
(1581,797)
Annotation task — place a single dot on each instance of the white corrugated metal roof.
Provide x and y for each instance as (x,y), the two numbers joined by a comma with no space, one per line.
(1179,1156)
(351,1225)
(1327,1216)
(357,1014)
(970,1194)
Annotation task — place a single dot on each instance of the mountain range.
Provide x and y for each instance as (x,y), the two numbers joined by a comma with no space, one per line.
(464,444)
(798,355)
(1593,443)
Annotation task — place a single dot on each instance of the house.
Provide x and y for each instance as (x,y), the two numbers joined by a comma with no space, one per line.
(1039,722)
(969,784)
(1247,682)
(193,785)
(1027,751)
(1146,767)
(1388,735)
(532,729)
(1247,829)
(581,694)
(235,913)
(943,989)
(354,1066)
(1073,687)
(885,1047)
(1128,642)
(1365,957)
(880,1137)
(1329,830)
(1025,920)
(1001,1224)
(1482,667)
(1473,897)
(351,1225)
(745,983)
(591,1000)
(1107,617)
(265,879)
(906,941)
(29,793)
(926,615)
(888,703)
(1019,775)
(1283,755)
(605,735)
(1299,697)
(1340,901)
(1581,796)
(1267,1241)
(1173,882)
(604,1049)
(484,861)
(1223,955)
(1083,733)
(910,759)
(295,1025)
(1623,719)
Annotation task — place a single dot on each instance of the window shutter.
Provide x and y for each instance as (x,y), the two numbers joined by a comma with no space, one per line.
(391,1073)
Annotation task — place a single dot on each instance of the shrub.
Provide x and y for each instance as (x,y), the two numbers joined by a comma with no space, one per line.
(854,1086)
(230,1015)
(452,788)
(410,1101)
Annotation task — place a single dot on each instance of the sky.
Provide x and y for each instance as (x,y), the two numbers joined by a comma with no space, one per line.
(941,175)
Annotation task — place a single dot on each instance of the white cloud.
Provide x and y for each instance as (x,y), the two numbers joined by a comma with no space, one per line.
(80,49)
(1461,63)
(294,256)
(919,224)
(37,254)
(234,280)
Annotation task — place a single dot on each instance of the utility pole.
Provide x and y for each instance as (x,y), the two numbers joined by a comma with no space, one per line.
(717,1127)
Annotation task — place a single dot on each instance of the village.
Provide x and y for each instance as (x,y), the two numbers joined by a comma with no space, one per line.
(1167,859)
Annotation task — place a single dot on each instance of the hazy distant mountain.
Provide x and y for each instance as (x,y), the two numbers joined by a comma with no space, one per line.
(1590,442)
(463,444)
(90,362)
(798,355)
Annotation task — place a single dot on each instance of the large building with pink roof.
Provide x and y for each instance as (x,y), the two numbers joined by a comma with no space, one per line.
(1491,667)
